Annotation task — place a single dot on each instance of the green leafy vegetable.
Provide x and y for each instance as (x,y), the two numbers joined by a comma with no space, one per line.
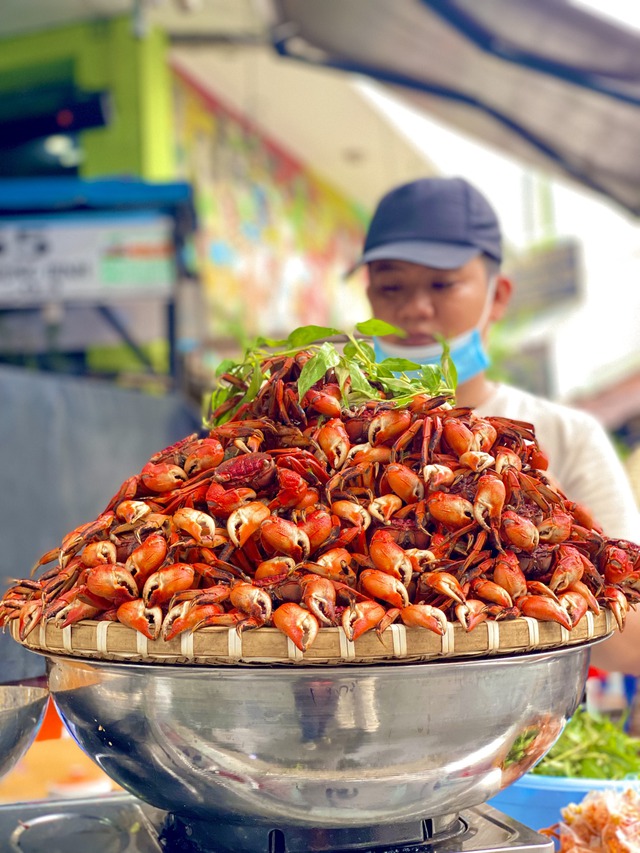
(592,746)
(359,376)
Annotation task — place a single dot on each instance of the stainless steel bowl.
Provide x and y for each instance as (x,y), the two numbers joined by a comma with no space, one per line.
(21,712)
(313,746)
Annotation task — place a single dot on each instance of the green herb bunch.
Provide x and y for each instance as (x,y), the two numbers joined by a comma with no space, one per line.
(357,373)
(593,746)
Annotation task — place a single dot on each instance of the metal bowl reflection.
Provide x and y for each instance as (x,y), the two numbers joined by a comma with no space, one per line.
(323,746)
(21,712)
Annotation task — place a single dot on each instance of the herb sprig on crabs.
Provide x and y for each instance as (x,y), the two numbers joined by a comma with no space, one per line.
(359,376)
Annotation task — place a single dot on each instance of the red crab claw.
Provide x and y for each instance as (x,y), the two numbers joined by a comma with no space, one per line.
(335,564)
(285,537)
(491,591)
(252,600)
(132,511)
(245,521)
(362,617)
(72,606)
(30,616)
(146,620)
(506,459)
(76,539)
(233,618)
(544,609)
(276,568)
(389,557)
(96,553)
(199,525)
(575,605)
(189,616)
(163,477)
(221,501)
(319,597)
(569,567)
(587,594)
(214,594)
(618,566)
(451,510)
(519,531)
(444,583)
(477,461)
(298,624)
(162,585)
(420,558)
(208,453)
(471,613)
(489,501)
(582,516)
(147,558)
(458,436)
(507,573)
(334,441)
(320,526)
(47,557)
(404,482)
(424,616)
(352,512)
(292,488)
(310,499)
(361,454)
(326,400)
(484,434)
(539,588)
(381,585)
(556,527)
(383,507)
(617,602)
(113,582)
(388,425)
(127,491)
(436,475)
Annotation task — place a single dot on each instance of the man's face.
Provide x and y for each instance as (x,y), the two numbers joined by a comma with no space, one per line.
(426,302)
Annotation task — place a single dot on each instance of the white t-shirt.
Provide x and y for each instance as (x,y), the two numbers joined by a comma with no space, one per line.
(581,457)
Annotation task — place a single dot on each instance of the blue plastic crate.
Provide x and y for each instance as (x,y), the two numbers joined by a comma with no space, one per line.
(536,801)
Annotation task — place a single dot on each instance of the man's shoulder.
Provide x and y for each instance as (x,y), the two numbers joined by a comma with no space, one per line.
(509,401)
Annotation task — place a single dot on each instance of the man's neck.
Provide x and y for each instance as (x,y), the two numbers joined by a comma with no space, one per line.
(474,392)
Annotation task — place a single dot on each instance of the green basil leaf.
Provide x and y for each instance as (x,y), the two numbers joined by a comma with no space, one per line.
(267,342)
(350,350)
(359,382)
(400,365)
(225,366)
(305,335)
(378,328)
(315,368)
(343,375)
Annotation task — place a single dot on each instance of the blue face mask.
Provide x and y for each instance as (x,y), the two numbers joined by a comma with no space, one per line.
(467,352)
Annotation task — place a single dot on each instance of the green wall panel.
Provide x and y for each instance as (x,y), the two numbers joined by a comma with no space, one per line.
(105,55)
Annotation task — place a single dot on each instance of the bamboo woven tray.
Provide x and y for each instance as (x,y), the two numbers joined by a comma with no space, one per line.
(224,646)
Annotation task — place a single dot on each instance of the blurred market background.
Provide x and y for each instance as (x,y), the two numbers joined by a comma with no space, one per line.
(179,176)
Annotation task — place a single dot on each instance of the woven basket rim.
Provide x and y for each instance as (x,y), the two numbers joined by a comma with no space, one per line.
(398,644)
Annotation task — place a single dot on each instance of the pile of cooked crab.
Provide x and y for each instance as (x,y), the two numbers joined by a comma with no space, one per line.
(301,513)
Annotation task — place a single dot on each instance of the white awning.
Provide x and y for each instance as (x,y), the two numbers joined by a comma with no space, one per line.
(545,81)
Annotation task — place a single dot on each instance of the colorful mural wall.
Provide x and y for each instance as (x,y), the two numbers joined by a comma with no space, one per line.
(274,240)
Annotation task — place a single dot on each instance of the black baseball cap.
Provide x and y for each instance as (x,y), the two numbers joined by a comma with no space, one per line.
(437,222)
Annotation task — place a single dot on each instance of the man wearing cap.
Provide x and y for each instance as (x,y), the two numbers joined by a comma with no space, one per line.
(433,252)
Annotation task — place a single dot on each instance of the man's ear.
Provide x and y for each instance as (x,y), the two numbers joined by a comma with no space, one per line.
(501,298)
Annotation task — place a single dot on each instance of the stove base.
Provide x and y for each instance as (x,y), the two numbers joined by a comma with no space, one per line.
(191,836)
(478,830)
(120,823)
